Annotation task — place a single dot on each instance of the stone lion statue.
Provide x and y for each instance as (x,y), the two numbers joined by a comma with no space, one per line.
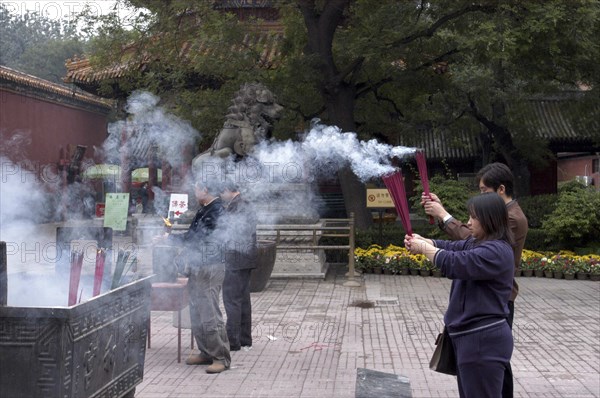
(248,121)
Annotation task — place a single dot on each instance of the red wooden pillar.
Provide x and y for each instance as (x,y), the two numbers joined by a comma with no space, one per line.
(186,162)
(152,172)
(63,165)
(166,175)
(125,169)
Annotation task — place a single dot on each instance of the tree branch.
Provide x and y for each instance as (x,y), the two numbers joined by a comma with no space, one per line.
(349,70)
(434,61)
(443,20)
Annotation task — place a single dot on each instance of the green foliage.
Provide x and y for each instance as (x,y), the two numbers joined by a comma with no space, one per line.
(36,44)
(576,220)
(536,208)
(453,194)
(536,240)
(391,234)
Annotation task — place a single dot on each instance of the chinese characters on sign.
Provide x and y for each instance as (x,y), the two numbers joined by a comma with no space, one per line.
(379,198)
(178,204)
(115,211)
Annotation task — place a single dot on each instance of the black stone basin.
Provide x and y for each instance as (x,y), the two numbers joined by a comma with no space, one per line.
(93,349)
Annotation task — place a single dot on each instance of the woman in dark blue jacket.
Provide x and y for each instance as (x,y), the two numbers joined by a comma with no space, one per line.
(481,269)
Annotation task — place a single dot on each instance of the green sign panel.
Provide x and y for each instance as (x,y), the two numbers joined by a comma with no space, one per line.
(115,211)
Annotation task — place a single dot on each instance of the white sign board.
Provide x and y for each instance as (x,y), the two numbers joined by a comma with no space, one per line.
(178,204)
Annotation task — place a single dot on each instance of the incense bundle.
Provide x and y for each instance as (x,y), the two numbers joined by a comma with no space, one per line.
(395,185)
(422,166)
(76,264)
(122,258)
(99,271)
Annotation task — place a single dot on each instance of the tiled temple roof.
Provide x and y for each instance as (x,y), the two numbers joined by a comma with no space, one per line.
(269,35)
(550,119)
(30,85)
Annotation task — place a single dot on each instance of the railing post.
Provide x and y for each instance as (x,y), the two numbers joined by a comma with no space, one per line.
(351,282)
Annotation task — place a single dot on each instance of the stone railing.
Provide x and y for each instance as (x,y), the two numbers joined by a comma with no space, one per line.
(299,252)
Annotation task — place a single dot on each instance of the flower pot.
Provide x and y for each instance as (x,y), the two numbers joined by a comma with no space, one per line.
(265,261)
(548,274)
(595,277)
(569,276)
(539,273)
(424,272)
(414,271)
(527,273)
(558,274)
(388,271)
(377,270)
(436,273)
(405,271)
(581,276)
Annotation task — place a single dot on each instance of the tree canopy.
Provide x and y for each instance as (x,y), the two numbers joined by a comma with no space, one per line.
(37,44)
(384,68)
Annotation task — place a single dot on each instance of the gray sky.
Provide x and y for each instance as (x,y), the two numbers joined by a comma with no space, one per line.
(61,9)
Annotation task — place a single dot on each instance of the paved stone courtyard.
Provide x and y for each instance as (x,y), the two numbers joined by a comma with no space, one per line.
(310,336)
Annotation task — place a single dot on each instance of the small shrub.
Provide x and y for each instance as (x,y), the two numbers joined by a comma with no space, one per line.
(537,207)
(453,194)
(575,221)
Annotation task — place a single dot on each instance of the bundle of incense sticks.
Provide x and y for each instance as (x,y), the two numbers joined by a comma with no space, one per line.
(122,259)
(76,264)
(99,271)
(395,185)
(422,166)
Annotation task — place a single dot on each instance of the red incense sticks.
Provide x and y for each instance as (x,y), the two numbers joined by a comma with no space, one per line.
(76,264)
(99,271)
(422,166)
(395,185)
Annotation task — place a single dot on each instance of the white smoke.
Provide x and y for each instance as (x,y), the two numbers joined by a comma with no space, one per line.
(149,125)
(331,150)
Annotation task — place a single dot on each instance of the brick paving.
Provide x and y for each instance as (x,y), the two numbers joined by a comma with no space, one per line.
(310,336)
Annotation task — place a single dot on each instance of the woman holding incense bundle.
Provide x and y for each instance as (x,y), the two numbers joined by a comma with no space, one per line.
(481,268)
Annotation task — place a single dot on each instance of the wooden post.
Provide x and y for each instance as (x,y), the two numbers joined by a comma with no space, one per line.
(166,175)
(351,282)
(125,169)
(152,172)
(3,275)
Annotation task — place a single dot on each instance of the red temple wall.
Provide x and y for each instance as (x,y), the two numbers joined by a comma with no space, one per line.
(49,127)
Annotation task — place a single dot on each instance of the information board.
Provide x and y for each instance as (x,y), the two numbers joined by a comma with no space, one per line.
(379,198)
(115,211)
(178,204)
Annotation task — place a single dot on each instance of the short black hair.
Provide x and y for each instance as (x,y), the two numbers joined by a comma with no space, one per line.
(490,210)
(495,174)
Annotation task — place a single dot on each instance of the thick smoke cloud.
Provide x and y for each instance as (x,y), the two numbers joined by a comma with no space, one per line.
(149,125)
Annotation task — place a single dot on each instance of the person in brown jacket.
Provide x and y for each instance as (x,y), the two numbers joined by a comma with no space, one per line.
(494,177)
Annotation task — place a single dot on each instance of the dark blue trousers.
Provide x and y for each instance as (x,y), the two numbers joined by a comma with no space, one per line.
(238,307)
(482,358)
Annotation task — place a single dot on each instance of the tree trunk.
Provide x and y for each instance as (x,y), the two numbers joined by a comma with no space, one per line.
(504,146)
(338,92)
